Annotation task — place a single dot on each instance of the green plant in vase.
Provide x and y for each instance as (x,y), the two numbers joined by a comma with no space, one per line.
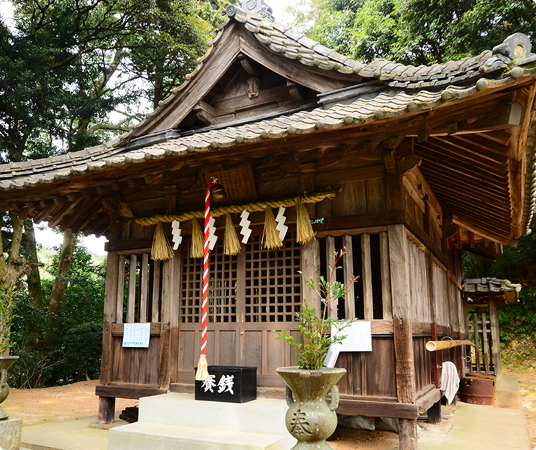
(315,328)
(310,418)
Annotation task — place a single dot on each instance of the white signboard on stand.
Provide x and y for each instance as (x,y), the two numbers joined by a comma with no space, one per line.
(358,339)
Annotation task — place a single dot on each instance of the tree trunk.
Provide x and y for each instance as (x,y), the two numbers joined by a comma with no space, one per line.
(34,278)
(64,267)
(12,267)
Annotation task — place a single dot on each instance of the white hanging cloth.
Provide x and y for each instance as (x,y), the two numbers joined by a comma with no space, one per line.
(450,381)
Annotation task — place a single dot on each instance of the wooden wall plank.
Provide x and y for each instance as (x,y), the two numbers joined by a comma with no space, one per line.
(120,290)
(144,285)
(348,267)
(330,249)
(387,304)
(485,348)
(155,309)
(131,299)
(367,276)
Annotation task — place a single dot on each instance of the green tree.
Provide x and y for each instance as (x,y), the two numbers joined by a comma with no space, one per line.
(67,66)
(414,31)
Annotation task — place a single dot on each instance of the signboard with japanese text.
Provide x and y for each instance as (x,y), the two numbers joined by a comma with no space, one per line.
(136,335)
(228,384)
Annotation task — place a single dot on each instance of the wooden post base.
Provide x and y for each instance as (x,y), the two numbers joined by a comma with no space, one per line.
(106,409)
(434,413)
(407,434)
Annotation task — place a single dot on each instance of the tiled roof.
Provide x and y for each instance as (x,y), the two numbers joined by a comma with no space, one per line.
(33,173)
(406,93)
(282,39)
(488,284)
(293,45)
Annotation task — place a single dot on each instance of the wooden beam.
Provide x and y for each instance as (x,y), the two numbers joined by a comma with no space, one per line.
(377,409)
(128,391)
(58,216)
(481,231)
(118,329)
(246,65)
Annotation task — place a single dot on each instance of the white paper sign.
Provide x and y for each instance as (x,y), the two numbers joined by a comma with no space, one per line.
(136,335)
(358,339)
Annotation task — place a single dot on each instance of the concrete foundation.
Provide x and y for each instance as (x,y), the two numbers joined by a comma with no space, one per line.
(178,422)
(10,434)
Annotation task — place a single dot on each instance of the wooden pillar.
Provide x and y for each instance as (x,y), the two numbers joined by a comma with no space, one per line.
(107,404)
(495,338)
(106,409)
(402,327)
(174,322)
(407,434)
(169,345)
(310,268)
(434,413)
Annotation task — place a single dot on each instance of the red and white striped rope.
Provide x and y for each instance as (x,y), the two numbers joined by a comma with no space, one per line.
(204,305)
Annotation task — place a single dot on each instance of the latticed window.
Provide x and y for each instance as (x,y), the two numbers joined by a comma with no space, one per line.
(272,282)
(257,285)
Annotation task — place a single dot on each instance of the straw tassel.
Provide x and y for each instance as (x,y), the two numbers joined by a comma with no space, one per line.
(201,374)
(161,249)
(231,243)
(125,211)
(196,250)
(270,235)
(304,229)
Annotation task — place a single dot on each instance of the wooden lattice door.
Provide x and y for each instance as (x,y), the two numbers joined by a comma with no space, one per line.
(250,294)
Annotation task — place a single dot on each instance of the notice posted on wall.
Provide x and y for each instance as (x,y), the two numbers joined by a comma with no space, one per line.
(136,335)
(358,339)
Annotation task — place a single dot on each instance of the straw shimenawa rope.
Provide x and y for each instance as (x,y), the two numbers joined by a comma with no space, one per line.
(127,214)
(162,249)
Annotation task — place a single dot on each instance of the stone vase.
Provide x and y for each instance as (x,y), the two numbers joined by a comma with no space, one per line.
(5,363)
(310,418)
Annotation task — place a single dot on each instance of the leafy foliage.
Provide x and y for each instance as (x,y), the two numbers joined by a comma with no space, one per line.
(7,307)
(66,348)
(413,31)
(315,330)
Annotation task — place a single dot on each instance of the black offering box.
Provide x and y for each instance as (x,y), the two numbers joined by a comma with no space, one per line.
(228,384)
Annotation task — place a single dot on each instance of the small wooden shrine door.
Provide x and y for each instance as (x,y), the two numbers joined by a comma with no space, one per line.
(250,294)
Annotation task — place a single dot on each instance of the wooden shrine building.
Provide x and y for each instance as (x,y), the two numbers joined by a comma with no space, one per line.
(412,165)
